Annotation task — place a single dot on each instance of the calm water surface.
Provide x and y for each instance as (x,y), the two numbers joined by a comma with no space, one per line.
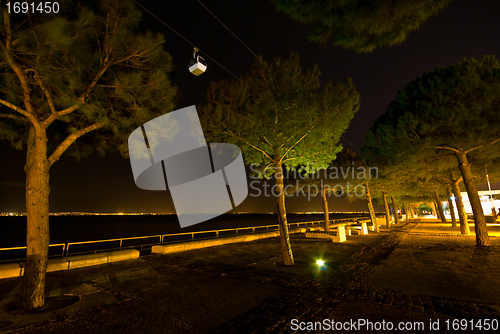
(65,229)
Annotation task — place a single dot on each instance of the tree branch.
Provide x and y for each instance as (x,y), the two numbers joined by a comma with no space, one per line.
(436,158)
(298,141)
(46,91)
(70,140)
(11,116)
(252,146)
(475,148)
(445,179)
(81,99)
(445,148)
(14,107)
(30,110)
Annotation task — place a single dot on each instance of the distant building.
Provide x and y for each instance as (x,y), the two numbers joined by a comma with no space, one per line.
(484,196)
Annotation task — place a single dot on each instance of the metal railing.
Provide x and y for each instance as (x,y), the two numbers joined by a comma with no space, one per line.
(161,239)
(64,247)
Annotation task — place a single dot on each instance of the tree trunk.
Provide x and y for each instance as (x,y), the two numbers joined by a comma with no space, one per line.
(387,213)
(462,216)
(482,238)
(370,208)
(286,247)
(440,207)
(452,209)
(435,212)
(406,212)
(411,211)
(325,209)
(396,218)
(32,294)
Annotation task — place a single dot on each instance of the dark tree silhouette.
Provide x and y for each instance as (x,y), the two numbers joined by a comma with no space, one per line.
(79,73)
(361,25)
(449,111)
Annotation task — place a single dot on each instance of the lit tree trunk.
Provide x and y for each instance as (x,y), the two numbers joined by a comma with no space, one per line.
(440,208)
(462,216)
(387,213)
(406,212)
(370,208)
(286,247)
(325,209)
(434,210)
(482,238)
(396,218)
(411,211)
(452,209)
(32,294)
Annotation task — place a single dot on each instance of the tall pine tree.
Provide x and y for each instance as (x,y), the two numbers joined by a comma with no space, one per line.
(279,115)
(83,73)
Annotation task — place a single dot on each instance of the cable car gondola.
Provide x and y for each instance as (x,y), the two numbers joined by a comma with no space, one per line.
(197,65)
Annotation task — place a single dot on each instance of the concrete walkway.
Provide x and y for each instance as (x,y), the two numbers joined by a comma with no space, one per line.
(414,273)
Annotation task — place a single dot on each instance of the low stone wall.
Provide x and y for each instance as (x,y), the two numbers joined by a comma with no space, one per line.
(16,269)
(184,246)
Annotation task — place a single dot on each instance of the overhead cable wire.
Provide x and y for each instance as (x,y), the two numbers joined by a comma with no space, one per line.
(185,39)
(227,28)
(351,144)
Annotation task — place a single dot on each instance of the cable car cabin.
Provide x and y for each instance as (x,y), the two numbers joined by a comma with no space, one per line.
(197,65)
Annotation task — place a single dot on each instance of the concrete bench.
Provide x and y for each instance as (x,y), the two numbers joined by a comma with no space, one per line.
(337,236)
(362,229)
(10,270)
(343,229)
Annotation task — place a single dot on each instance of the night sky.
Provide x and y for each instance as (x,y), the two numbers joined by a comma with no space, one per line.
(467,28)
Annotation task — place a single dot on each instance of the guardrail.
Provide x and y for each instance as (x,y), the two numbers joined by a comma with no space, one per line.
(161,239)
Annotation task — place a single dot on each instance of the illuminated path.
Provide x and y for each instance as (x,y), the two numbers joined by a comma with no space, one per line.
(239,288)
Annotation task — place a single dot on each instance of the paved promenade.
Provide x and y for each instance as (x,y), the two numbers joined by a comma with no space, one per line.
(420,273)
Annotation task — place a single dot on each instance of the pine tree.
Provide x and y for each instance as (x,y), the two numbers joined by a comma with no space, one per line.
(361,25)
(448,111)
(279,115)
(83,73)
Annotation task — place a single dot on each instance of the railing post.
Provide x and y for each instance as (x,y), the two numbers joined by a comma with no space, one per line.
(121,243)
(192,236)
(217,233)
(67,250)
